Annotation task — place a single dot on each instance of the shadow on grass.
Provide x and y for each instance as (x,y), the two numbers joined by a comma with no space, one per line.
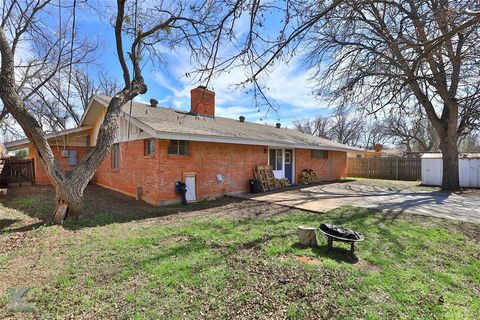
(102,206)
(338,254)
(5,223)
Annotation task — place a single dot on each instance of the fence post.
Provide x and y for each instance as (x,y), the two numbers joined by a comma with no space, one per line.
(368,167)
(396,168)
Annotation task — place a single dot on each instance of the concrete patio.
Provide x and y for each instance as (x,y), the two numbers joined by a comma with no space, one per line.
(321,198)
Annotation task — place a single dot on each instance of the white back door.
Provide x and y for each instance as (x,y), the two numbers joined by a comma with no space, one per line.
(191,194)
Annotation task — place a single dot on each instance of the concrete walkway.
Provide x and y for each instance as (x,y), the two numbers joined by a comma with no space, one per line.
(330,196)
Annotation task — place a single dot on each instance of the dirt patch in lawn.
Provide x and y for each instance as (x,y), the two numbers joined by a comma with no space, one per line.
(273,291)
(308,260)
(365,265)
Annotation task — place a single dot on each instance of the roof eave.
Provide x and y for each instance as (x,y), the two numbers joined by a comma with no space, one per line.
(244,141)
(24,143)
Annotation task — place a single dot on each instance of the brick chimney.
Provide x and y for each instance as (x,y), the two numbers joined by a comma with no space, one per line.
(202,101)
(378,147)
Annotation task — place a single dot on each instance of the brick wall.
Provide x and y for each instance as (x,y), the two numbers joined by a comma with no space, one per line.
(136,170)
(41,177)
(333,168)
(157,174)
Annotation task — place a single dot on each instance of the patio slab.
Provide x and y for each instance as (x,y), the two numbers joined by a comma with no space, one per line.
(321,198)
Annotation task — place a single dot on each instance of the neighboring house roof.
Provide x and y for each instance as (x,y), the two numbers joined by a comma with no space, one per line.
(165,123)
(393,152)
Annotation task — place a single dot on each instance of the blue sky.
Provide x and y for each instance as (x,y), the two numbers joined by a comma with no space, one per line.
(289,87)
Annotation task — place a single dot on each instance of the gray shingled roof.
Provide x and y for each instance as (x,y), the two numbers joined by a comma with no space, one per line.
(168,122)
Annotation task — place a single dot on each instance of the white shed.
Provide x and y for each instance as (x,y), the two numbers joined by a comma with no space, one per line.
(468,168)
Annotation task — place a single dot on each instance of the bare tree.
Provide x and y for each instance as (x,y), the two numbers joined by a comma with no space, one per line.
(470,143)
(373,132)
(44,52)
(346,126)
(319,126)
(379,54)
(413,131)
(55,106)
(385,53)
(168,24)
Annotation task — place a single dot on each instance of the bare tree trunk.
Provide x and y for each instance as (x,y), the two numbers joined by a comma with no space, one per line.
(68,201)
(69,190)
(450,175)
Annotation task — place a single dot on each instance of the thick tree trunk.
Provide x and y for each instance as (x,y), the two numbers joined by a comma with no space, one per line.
(450,175)
(69,190)
(68,201)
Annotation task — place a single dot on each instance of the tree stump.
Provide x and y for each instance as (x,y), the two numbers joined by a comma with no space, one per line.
(307,236)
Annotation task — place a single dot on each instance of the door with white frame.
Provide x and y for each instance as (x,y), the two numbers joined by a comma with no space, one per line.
(191,194)
(275,160)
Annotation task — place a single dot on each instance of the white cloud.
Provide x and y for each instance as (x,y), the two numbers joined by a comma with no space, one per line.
(287,86)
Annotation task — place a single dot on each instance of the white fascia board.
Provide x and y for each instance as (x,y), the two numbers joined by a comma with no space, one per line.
(230,140)
(94,97)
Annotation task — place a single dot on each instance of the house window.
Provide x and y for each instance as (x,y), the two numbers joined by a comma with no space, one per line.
(149,147)
(319,154)
(275,159)
(72,157)
(116,156)
(288,157)
(178,147)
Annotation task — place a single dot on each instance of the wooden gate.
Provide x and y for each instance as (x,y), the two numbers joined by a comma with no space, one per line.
(15,173)
(391,168)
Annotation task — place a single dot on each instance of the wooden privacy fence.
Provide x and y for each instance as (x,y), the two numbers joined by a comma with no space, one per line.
(15,172)
(391,168)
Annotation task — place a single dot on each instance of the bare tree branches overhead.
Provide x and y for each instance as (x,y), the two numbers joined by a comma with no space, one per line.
(43,50)
(382,54)
(319,126)
(413,131)
(141,31)
(374,54)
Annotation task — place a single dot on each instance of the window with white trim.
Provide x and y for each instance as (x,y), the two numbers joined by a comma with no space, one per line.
(288,157)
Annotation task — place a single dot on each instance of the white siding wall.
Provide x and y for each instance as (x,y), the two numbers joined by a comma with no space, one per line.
(432,172)
(469,172)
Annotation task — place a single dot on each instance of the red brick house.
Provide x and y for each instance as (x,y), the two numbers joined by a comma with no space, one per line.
(156,146)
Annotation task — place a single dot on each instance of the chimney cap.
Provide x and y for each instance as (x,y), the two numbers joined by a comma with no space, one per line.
(241,118)
(278,124)
(153,103)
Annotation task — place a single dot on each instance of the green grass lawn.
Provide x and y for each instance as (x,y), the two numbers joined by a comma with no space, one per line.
(237,259)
